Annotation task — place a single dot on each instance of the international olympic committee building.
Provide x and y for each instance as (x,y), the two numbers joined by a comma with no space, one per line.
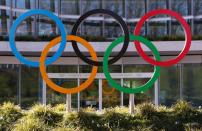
(23,85)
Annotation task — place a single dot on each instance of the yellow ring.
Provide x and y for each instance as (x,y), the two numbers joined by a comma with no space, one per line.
(50,83)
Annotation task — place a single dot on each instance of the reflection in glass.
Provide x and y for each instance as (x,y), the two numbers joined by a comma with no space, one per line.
(89,96)
(169,85)
(92,28)
(9,79)
(135,8)
(116,6)
(70,7)
(4,19)
(198,26)
(147,96)
(176,28)
(112,30)
(192,83)
(90,5)
(132,25)
(180,6)
(29,86)
(110,95)
(54,97)
(156,4)
(46,25)
(156,29)
(197,7)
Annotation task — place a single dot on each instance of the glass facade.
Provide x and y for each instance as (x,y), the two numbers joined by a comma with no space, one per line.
(23,85)
(69,10)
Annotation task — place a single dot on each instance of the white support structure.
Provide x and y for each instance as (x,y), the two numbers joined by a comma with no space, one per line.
(156,93)
(44,93)
(100,77)
(121,94)
(131,103)
(100,94)
(68,103)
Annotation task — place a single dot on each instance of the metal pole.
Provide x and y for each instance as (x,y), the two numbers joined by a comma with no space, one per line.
(131,104)
(100,94)
(44,93)
(156,93)
(68,102)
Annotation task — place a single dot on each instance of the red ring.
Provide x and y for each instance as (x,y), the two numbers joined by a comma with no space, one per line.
(186,28)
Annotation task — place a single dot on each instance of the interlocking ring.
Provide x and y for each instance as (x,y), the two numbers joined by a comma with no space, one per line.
(139,89)
(187,43)
(116,17)
(52,84)
(125,39)
(23,17)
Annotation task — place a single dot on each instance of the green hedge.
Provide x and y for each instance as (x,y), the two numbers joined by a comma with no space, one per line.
(180,117)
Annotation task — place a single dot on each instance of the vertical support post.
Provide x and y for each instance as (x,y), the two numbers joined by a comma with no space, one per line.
(78,97)
(121,93)
(100,94)
(44,93)
(181,81)
(68,102)
(156,94)
(19,84)
(131,103)
(78,83)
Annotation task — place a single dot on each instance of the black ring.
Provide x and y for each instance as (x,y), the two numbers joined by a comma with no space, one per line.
(116,17)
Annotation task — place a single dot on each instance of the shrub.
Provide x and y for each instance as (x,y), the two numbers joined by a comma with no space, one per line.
(28,123)
(46,114)
(9,114)
(60,108)
(146,109)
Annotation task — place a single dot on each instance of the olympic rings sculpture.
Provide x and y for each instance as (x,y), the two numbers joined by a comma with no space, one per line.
(94,62)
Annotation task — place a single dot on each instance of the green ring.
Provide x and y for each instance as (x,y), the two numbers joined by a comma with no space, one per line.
(124,88)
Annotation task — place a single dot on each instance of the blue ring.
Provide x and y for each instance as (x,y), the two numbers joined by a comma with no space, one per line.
(23,17)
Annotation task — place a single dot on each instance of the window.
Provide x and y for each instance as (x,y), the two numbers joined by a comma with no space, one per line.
(70,7)
(197,7)
(4,19)
(30,88)
(46,25)
(156,4)
(27,26)
(135,8)
(169,85)
(9,79)
(90,5)
(192,83)
(156,29)
(180,6)
(116,6)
